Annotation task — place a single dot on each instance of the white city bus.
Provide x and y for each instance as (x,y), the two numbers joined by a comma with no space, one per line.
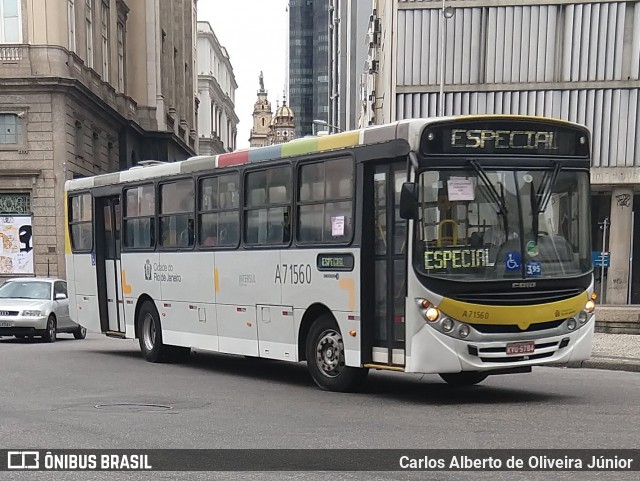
(456,246)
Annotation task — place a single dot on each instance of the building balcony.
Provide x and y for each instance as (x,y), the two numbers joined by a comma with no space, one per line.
(23,63)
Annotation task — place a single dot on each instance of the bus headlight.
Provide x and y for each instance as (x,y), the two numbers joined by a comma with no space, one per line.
(583,317)
(432,314)
(464,330)
(589,306)
(571,324)
(447,325)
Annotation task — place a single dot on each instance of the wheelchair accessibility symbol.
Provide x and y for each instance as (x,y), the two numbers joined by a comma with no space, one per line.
(513,261)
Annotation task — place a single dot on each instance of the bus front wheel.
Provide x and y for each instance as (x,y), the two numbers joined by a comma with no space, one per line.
(150,333)
(325,358)
(465,378)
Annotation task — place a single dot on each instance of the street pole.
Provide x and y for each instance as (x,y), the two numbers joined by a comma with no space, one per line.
(605,223)
(442,38)
(633,221)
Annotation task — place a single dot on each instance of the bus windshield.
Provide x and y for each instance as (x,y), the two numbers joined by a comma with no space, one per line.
(482,224)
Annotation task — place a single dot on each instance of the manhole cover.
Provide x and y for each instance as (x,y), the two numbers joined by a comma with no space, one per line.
(133,407)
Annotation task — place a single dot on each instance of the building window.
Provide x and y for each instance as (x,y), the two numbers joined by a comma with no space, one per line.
(71,22)
(15,204)
(79,140)
(95,150)
(121,44)
(10,24)
(89,31)
(105,41)
(10,129)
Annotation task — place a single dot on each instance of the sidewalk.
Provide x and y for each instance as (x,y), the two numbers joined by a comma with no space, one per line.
(618,352)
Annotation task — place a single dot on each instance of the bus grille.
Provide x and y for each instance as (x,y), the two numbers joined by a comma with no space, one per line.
(511,328)
(514,298)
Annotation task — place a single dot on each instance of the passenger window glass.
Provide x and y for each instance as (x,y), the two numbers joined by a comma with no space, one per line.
(139,222)
(177,218)
(219,214)
(325,208)
(80,217)
(268,216)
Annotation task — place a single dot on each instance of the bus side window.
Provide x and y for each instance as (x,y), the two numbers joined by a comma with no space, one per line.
(325,206)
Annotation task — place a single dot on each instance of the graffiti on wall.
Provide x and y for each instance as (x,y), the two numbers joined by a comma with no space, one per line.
(16,248)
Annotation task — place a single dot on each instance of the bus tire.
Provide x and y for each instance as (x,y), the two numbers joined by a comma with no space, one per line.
(325,358)
(465,378)
(150,334)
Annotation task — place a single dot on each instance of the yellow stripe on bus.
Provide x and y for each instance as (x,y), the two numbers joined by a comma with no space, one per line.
(522,316)
(216,280)
(67,240)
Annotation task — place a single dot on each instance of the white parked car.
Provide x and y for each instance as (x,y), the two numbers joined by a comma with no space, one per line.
(36,306)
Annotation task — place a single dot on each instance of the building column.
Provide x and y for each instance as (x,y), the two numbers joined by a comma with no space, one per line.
(619,245)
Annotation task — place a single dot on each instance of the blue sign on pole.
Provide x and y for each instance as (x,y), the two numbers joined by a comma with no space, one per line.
(600,259)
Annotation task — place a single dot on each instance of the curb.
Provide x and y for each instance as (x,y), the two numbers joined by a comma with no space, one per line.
(608,363)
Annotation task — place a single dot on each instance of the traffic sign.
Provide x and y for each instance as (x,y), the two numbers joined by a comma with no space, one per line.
(601,259)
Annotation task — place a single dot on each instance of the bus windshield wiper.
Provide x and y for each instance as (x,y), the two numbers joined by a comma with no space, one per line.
(545,189)
(493,193)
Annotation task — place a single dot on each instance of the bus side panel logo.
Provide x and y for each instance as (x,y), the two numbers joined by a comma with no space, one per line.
(147,270)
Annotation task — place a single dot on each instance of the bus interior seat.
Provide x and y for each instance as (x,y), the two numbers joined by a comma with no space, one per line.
(305,192)
(278,194)
(318,190)
(258,197)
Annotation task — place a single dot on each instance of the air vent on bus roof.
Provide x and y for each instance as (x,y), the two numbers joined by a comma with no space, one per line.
(147,163)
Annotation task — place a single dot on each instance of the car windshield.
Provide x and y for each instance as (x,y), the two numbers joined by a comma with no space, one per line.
(502,224)
(25,290)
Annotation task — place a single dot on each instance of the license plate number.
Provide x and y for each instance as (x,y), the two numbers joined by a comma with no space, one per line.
(6,324)
(516,348)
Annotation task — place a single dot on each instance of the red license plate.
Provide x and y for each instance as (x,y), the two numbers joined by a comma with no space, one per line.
(516,348)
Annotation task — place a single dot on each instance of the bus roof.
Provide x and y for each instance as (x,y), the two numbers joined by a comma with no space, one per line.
(405,129)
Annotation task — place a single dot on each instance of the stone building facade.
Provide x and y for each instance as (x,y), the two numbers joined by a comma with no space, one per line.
(217,118)
(578,61)
(86,87)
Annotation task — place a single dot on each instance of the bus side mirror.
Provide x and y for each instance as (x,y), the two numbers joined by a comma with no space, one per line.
(409,201)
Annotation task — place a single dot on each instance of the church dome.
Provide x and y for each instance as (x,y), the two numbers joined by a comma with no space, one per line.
(284,111)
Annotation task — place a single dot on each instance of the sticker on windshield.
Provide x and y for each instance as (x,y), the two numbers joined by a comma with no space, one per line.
(513,261)
(533,268)
(460,189)
(532,249)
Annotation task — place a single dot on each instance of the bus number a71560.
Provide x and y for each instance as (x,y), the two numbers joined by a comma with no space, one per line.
(293,274)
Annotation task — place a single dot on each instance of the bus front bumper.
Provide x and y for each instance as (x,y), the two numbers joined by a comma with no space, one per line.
(435,352)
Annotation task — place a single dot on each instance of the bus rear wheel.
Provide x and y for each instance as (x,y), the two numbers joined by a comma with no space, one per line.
(465,378)
(150,334)
(325,358)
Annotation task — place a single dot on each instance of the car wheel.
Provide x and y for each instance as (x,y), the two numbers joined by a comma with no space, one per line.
(325,358)
(50,331)
(150,334)
(465,378)
(80,332)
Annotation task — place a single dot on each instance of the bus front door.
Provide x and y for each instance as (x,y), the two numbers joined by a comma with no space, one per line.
(384,261)
(108,265)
